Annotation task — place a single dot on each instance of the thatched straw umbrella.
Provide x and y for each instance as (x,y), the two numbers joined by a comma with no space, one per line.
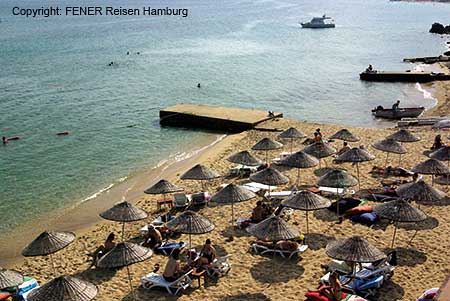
(389,146)
(245,158)
(269,176)
(163,187)
(267,144)
(233,194)
(399,211)
(291,134)
(320,150)
(300,160)
(431,167)
(124,212)
(420,192)
(356,155)
(442,154)
(404,136)
(64,288)
(47,243)
(355,250)
(200,173)
(125,254)
(10,278)
(273,228)
(345,135)
(306,201)
(337,178)
(190,222)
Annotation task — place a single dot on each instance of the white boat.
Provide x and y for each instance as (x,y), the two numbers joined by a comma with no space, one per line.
(319,22)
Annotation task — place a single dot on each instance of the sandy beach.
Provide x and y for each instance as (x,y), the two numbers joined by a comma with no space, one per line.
(423,264)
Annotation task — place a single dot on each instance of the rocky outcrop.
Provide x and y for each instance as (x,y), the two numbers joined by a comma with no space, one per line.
(440,29)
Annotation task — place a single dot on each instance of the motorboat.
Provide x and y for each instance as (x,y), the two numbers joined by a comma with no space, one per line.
(400,113)
(319,22)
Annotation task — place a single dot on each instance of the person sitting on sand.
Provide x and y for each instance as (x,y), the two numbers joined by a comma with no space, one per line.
(208,253)
(343,149)
(257,213)
(153,238)
(103,249)
(172,269)
(437,143)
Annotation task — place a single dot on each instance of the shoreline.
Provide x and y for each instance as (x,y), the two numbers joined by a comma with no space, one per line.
(84,214)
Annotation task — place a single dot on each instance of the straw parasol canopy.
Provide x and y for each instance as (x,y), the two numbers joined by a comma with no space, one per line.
(267,144)
(431,167)
(291,133)
(47,243)
(354,249)
(420,192)
(399,211)
(124,212)
(201,173)
(273,228)
(233,194)
(245,158)
(356,155)
(269,176)
(10,278)
(64,288)
(163,187)
(404,136)
(442,154)
(125,254)
(306,201)
(190,222)
(300,160)
(320,150)
(389,146)
(345,135)
(337,178)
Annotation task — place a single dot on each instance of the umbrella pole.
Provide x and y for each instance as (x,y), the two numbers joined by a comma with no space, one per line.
(123,231)
(131,285)
(393,237)
(298,177)
(432,179)
(337,202)
(190,231)
(412,238)
(357,172)
(447,175)
(292,144)
(267,157)
(53,265)
(232,212)
(387,158)
(399,160)
(307,223)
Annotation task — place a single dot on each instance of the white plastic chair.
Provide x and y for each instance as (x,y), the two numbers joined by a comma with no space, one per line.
(181,200)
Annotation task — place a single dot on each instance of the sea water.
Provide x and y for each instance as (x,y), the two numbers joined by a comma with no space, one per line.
(56,75)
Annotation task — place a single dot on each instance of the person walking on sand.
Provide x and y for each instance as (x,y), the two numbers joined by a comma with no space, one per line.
(395,107)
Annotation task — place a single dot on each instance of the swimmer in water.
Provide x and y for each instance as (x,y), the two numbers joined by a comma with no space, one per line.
(5,140)
(199,86)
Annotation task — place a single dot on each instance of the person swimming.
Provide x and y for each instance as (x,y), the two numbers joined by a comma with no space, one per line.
(5,140)
(199,86)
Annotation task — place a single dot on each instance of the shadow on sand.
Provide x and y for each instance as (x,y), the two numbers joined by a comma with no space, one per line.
(246,297)
(276,270)
(316,241)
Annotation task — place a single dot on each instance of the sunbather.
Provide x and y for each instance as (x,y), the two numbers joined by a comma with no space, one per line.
(343,149)
(258,213)
(437,143)
(208,253)
(103,249)
(153,238)
(172,269)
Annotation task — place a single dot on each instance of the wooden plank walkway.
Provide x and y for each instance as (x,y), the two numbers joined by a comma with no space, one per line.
(213,117)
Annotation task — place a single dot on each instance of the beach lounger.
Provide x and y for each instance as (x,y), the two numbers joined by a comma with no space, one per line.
(157,280)
(283,155)
(167,247)
(261,250)
(220,265)
(200,198)
(336,190)
(242,170)
(280,194)
(256,187)
(181,200)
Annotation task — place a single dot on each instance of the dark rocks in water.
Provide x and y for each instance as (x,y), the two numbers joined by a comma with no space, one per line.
(447,53)
(440,29)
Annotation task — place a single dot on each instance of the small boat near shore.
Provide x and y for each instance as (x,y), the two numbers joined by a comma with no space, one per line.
(403,76)
(400,113)
(319,22)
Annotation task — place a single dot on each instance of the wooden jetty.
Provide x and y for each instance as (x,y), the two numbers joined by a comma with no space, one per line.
(213,117)
(420,121)
(403,76)
(427,59)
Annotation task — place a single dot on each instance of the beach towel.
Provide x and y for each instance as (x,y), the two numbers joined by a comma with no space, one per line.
(359,210)
(368,218)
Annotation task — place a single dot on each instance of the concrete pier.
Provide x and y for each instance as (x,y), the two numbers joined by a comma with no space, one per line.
(213,117)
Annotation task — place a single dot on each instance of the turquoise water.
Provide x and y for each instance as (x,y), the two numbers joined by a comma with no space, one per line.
(55,77)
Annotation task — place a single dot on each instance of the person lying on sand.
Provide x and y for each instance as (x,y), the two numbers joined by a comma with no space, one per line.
(285,245)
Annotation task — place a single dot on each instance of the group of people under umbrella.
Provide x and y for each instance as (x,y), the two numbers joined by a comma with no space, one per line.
(273,228)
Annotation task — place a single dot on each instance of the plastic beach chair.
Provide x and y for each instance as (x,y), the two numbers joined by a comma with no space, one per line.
(167,247)
(261,250)
(181,200)
(157,280)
